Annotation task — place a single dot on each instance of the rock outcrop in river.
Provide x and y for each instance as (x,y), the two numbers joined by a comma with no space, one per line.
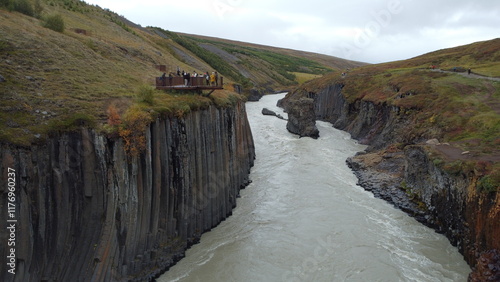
(86,211)
(301,117)
(405,175)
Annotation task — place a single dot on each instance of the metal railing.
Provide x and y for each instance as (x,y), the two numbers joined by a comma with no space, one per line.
(177,82)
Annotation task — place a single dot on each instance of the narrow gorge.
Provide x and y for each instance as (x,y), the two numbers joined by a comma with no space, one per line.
(398,166)
(87,211)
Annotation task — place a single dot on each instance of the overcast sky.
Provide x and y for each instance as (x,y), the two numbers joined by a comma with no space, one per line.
(371,31)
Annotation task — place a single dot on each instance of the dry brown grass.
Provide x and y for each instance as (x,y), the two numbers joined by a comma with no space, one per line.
(52,77)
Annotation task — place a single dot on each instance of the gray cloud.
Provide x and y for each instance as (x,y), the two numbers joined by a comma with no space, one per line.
(364,30)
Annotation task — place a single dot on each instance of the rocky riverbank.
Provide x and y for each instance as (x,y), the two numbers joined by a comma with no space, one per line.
(381,173)
(446,202)
(86,210)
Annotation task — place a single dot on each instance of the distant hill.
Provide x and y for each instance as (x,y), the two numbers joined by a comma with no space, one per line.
(50,79)
(282,65)
(482,57)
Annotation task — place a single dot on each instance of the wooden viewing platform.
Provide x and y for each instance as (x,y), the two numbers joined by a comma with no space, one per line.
(195,83)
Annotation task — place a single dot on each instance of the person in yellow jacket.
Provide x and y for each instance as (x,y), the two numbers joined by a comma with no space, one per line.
(212,79)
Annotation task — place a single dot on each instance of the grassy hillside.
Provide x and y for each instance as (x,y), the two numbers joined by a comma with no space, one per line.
(95,61)
(451,106)
(255,65)
(272,66)
(482,57)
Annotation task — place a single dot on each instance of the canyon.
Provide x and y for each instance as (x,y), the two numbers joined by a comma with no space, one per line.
(78,206)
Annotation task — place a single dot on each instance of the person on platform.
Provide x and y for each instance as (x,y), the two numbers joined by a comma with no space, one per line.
(212,79)
(207,78)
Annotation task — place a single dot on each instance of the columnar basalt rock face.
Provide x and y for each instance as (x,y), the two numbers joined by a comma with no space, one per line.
(87,211)
(372,124)
(468,218)
(454,207)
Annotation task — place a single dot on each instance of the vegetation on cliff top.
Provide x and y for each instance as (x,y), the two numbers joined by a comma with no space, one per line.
(442,101)
(64,62)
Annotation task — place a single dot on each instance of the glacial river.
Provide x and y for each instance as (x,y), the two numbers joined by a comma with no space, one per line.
(303,218)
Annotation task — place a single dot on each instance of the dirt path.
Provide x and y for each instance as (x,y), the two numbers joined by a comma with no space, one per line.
(472,75)
(452,153)
(493,103)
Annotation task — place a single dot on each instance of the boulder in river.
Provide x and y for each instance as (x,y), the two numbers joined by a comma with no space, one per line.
(268,112)
(301,118)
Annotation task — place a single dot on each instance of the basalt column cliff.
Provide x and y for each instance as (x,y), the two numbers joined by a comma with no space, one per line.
(86,211)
